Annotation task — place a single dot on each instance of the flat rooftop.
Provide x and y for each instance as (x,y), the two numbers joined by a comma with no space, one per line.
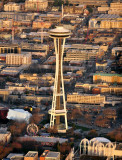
(31,154)
(53,154)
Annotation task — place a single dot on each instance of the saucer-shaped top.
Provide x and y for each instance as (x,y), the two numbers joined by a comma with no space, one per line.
(59,31)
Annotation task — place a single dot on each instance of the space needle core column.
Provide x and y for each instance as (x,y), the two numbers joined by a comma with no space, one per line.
(59,34)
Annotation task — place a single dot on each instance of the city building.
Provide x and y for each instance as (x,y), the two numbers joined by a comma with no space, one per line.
(31,155)
(28,47)
(12,71)
(41,24)
(50,155)
(4,93)
(80,55)
(36,5)
(18,59)
(115,8)
(107,77)
(74,9)
(116,51)
(9,48)
(89,2)
(29,77)
(111,23)
(24,23)
(12,7)
(112,90)
(85,98)
(15,156)
(7,23)
(17,15)
(101,66)
(100,146)
(5,137)
(51,17)
(103,9)
(106,21)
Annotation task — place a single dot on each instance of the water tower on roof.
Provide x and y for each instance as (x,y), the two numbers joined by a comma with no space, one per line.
(58,110)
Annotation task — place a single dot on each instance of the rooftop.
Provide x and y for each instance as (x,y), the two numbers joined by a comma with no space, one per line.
(109,16)
(45,139)
(31,154)
(108,74)
(53,154)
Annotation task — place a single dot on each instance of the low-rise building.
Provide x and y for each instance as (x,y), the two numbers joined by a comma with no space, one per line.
(74,9)
(106,21)
(51,17)
(41,24)
(36,5)
(89,2)
(101,66)
(18,59)
(115,8)
(116,51)
(17,16)
(107,77)
(12,7)
(85,98)
(12,71)
(76,54)
(50,155)
(103,9)
(5,137)
(24,23)
(31,155)
(10,48)
(8,23)
(15,156)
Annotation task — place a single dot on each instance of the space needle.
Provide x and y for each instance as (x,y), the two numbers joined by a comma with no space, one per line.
(58,110)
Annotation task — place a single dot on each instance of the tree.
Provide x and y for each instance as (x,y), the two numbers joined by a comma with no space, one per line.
(116,134)
(67,3)
(76,113)
(65,148)
(36,110)
(101,121)
(92,133)
(35,118)
(58,2)
(88,118)
(17,128)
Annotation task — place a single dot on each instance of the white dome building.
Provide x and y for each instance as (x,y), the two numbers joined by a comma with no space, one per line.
(99,146)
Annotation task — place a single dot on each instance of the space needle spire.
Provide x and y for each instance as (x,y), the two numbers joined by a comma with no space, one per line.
(59,34)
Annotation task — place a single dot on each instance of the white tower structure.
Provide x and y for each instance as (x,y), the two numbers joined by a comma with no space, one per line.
(59,34)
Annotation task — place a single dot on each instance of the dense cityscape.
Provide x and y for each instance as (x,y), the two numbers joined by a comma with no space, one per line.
(60,80)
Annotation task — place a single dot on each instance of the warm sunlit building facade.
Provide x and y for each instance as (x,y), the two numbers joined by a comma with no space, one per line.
(18,59)
(79,55)
(115,8)
(85,98)
(36,5)
(12,7)
(107,77)
(40,24)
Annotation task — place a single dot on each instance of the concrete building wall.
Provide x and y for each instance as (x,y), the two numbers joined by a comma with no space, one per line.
(80,98)
(36,5)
